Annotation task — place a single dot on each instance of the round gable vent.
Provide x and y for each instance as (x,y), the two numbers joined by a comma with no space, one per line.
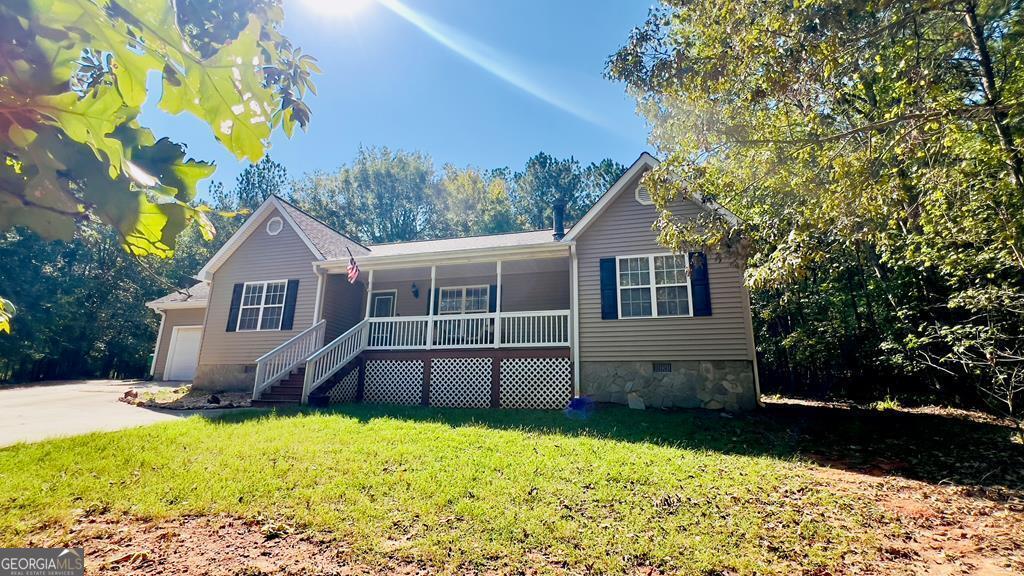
(274,226)
(643,195)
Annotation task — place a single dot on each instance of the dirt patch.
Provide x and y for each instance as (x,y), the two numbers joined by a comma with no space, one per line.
(940,530)
(951,413)
(210,545)
(940,446)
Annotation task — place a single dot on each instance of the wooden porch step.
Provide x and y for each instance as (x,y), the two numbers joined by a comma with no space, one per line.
(272,403)
(287,391)
(278,397)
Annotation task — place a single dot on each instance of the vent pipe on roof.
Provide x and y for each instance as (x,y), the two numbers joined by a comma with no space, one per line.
(558,228)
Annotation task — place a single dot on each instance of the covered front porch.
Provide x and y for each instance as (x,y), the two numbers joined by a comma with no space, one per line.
(456,329)
(500,304)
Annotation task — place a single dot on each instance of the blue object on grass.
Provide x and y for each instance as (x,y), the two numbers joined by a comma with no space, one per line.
(580,408)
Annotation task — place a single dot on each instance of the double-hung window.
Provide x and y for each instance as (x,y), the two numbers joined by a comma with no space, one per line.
(262,306)
(464,300)
(653,286)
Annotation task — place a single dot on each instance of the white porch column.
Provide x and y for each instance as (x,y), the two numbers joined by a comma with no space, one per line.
(430,312)
(369,293)
(574,318)
(497,309)
(318,304)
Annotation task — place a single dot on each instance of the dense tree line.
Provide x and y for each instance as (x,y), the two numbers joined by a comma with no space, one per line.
(873,151)
(81,301)
(391,196)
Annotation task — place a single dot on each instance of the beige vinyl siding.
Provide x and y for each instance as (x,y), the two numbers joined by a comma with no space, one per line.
(624,229)
(519,292)
(343,304)
(172,318)
(547,290)
(405,303)
(261,257)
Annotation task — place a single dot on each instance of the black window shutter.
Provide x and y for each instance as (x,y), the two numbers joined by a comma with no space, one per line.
(699,284)
(289,305)
(437,299)
(609,292)
(492,306)
(236,303)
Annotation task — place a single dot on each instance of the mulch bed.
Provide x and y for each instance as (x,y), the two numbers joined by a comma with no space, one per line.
(185,398)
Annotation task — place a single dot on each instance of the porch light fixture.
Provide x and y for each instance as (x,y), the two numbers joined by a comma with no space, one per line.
(415,290)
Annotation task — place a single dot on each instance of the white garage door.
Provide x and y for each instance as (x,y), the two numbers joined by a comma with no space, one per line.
(183,353)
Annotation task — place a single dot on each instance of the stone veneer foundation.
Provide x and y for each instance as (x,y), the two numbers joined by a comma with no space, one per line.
(224,377)
(712,384)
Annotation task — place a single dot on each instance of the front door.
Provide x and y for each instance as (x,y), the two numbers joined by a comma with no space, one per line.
(383,305)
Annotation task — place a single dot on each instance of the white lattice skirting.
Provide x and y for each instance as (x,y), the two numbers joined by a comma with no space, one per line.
(393,381)
(544,383)
(539,383)
(345,391)
(460,382)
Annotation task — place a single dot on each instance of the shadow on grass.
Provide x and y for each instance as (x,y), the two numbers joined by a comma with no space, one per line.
(929,447)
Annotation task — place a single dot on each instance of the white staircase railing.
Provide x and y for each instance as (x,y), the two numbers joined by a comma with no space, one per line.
(280,361)
(333,357)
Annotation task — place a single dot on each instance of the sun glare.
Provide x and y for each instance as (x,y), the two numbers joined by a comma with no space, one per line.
(338,8)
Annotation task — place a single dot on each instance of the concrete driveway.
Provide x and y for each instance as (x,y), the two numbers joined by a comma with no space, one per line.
(53,409)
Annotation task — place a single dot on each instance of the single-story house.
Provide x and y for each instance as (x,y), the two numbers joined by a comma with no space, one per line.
(526,319)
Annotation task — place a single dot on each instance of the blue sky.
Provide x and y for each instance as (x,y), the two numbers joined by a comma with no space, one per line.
(388,82)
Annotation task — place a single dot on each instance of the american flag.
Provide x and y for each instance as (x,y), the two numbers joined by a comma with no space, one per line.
(353,268)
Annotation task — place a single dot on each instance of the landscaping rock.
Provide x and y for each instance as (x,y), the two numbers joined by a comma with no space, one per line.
(635,401)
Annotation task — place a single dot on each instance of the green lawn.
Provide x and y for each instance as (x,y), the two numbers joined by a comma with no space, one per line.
(687,492)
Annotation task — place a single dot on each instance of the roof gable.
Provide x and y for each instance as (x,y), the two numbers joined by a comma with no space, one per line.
(323,241)
(642,164)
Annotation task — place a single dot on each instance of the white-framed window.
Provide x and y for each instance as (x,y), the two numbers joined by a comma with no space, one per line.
(653,286)
(464,299)
(262,306)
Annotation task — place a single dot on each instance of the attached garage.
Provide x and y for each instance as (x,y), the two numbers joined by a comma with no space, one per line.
(182,316)
(183,352)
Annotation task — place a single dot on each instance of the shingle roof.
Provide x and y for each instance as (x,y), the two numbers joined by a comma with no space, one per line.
(468,243)
(196,293)
(331,243)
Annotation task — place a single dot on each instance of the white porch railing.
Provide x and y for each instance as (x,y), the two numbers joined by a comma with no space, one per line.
(333,356)
(277,363)
(464,331)
(543,328)
(527,329)
(398,333)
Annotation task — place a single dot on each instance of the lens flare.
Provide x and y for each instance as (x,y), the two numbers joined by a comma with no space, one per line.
(338,8)
(486,58)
